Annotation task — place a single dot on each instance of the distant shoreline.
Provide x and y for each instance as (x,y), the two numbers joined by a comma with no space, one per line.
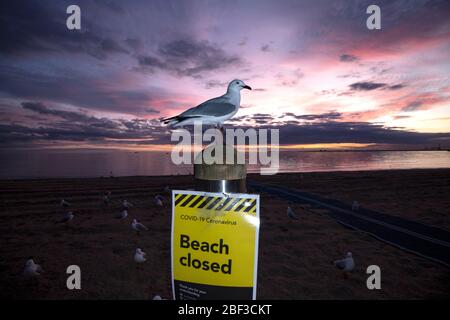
(249,175)
(283,150)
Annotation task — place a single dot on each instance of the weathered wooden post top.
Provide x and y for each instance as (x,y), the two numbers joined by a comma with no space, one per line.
(213,175)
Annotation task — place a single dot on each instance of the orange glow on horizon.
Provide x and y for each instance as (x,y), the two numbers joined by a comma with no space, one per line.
(168,148)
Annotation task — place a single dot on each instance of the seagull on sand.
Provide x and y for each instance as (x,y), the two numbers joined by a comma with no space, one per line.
(137,226)
(68,216)
(106,198)
(64,203)
(214,111)
(347,264)
(126,204)
(122,215)
(32,269)
(139,256)
(291,214)
(159,200)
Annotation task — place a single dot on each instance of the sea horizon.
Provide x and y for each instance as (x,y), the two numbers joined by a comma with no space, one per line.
(100,163)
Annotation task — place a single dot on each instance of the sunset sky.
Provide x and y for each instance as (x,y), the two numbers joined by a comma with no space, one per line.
(319,75)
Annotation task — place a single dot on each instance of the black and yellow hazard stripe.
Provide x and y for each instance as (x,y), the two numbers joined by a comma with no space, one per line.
(225,204)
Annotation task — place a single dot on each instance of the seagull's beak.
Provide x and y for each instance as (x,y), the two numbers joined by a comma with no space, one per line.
(247,87)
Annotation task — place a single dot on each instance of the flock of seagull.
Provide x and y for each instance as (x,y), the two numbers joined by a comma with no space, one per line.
(32,269)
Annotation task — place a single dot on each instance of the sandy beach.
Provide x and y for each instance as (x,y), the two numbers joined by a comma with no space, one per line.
(295,260)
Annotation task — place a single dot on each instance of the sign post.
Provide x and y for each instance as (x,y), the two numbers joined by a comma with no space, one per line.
(214,245)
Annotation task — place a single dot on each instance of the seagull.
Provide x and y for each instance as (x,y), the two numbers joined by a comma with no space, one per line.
(159,199)
(139,256)
(126,204)
(355,206)
(106,198)
(214,111)
(67,217)
(32,269)
(138,226)
(122,215)
(291,214)
(64,203)
(347,264)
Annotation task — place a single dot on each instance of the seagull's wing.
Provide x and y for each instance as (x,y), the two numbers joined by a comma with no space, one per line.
(340,264)
(216,107)
(121,215)
(291,214)
(140,226)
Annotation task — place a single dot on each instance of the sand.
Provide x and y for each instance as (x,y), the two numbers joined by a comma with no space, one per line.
(295,259)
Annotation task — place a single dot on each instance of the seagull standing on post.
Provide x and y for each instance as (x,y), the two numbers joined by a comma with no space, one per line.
(214,111)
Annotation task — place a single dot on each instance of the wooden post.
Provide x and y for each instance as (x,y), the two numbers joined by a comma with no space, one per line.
(218,177)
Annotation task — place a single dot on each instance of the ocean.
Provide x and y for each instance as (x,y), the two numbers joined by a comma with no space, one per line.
(52,163)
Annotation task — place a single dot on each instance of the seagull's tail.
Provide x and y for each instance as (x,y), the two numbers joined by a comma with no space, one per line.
(171,121)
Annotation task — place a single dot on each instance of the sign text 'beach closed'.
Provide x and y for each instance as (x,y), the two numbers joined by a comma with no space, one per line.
(214,245)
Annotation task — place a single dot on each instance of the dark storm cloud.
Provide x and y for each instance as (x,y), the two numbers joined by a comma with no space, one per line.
(74,89)
(77,126)
(405,25)
(189,58)
(262,116)
(366,86)
(354,132)
(28,26)
(152,111)
(401,117)
(413,106)
(369,86)
(80,127)
(397,86)
(70,116)
(312,117)
(265,48)
(348,58)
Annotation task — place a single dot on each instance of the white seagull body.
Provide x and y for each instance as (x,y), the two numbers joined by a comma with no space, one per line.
(291,214)
(347,264)
(32,269)
(214,111)
(126,204)
(137,226)
(139,256)
(64,203)
(67,217)
(159,200)
(122,215)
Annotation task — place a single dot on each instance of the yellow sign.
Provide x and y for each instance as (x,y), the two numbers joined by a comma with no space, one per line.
(214,245)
